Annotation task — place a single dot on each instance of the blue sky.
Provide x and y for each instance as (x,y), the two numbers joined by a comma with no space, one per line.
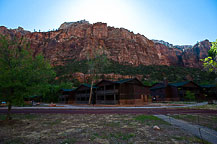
(175,21)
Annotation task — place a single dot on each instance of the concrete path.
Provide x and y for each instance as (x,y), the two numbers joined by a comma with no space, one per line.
(65,106)
(206,133)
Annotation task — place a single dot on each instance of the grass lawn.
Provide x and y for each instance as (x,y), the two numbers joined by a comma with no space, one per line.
(209,121)
(90,128)
(207,106)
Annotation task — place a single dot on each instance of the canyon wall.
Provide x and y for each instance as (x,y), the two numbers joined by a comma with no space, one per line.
(76,40)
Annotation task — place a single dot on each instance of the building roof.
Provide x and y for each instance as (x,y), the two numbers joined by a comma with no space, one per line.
(85,85)
(179,83)
(208,86)
(159,87)
(67,90)
(88,85)
(123,81)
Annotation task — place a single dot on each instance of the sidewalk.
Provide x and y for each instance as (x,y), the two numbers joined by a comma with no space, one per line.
(206,133)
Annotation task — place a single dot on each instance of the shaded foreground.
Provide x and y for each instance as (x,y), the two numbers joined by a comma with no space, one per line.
(90,128)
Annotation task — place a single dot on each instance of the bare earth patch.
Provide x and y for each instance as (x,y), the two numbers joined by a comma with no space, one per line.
(90,128)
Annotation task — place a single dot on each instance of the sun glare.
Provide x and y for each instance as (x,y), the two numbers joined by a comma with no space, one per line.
(113,12)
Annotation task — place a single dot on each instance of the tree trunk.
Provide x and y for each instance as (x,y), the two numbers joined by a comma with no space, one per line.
(91,91)
(9,111)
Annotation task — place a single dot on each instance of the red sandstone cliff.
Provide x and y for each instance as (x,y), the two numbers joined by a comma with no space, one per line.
(75,40)
(191,57)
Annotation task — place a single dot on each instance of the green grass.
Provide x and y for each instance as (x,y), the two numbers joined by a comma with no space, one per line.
(179,138)
(143,118)
(3,116)
(69,141)
(180,102)
(150,120)
(15,141)
(201,140)
(101,135)
(113,124)
(24,116)
(56,122)
(208,106)
(19,116)
(123,136)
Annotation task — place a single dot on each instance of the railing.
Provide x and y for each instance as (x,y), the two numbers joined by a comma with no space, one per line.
(82,95)
(106,101)
(81,102)
(101,92)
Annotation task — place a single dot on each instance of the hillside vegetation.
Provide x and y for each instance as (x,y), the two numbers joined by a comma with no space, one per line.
(151,74)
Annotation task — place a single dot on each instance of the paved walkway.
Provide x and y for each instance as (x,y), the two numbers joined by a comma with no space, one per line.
(65,106)
(206,133)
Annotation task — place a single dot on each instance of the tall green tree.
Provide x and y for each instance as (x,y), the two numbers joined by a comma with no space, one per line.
(97,62)
(210,63)
(21,74)
(52,93)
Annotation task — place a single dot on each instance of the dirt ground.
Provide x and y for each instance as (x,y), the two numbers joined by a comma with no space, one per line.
(90,128)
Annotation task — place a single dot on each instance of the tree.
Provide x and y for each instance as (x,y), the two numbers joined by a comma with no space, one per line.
(97,62)
(21,74)
(190,96)
(52,93)
(210,63)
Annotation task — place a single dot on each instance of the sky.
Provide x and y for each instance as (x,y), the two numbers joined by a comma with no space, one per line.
(180,22)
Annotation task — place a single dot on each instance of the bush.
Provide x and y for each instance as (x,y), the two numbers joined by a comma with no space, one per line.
(190,96)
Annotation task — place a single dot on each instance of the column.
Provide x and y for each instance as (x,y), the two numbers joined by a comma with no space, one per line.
(104,94)
(96,95)
(114,95)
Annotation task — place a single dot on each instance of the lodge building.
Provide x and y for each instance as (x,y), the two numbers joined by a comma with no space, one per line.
(132,91)
(127,91)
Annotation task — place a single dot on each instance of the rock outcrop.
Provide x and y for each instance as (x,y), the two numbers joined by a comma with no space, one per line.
(180,47)
(76,39)
(192,57)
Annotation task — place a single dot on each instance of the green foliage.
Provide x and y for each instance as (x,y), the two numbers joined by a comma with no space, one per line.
(97,61)
(149,83)
(21,74)
(52,93)
(210,63)
(190,96)
(151,74)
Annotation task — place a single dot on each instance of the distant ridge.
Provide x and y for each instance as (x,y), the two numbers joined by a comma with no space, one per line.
(74,40)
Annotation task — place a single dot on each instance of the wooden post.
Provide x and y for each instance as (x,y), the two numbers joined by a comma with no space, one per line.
(114,95)
(104,93)
(91,91)
(96,94)
(183,95)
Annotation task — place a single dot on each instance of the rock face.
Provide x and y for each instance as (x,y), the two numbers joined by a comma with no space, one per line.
(75,40)
(180,47)
(191,57)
